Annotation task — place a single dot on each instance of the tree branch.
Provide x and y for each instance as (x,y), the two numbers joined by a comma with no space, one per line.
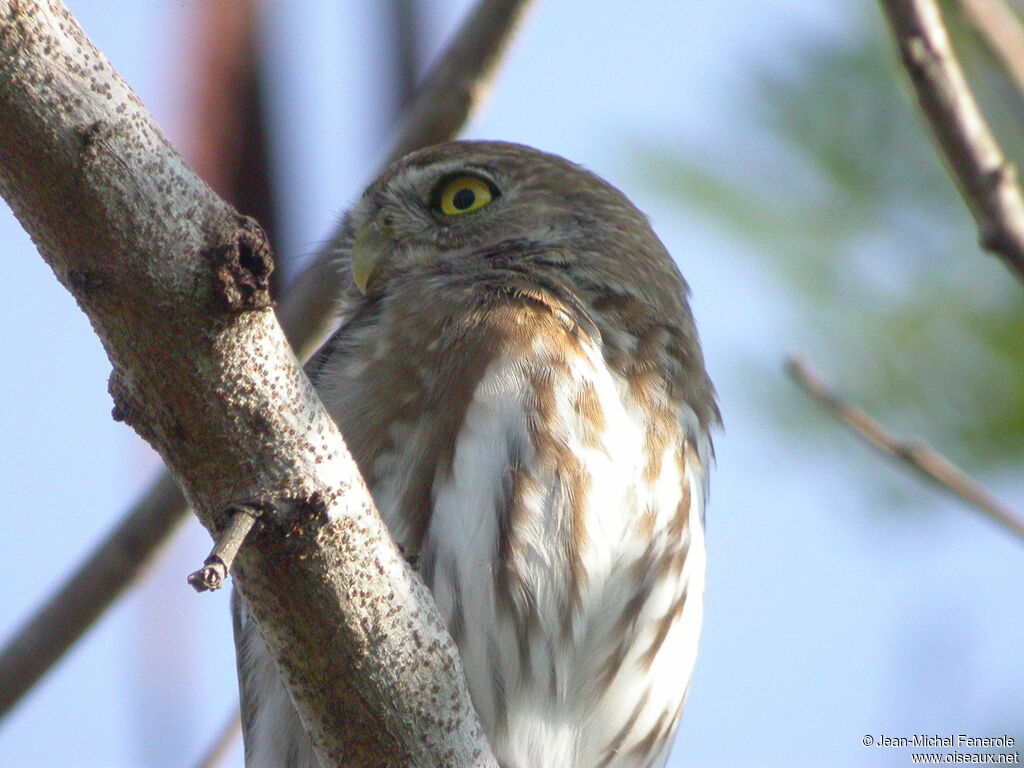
(987,182)
(916,455)
(1002,31)
(175,285)
(102,578)
(306,314)
(459,79)
(401,24)
(217,566)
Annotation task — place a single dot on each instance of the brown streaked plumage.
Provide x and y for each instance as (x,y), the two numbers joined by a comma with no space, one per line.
(519,377)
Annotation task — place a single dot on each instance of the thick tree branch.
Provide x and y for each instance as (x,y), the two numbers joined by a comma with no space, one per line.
(175,285)
(913,454)
(306,314)
(987,182)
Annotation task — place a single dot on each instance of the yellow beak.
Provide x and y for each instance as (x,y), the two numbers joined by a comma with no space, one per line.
(369,247)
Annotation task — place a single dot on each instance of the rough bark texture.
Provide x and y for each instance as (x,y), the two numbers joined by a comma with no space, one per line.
(175,284)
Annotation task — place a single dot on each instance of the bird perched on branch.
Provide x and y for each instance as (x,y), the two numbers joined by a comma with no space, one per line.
(519,379)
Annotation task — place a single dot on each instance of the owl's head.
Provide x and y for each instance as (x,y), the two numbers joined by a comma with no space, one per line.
(461,207)
(469,222)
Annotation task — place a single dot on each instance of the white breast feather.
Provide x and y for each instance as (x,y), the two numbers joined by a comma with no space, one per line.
(545,729)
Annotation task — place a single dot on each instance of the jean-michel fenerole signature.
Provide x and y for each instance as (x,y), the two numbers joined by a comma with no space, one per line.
(937,740)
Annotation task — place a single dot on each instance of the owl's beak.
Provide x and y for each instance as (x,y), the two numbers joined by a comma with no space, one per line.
(368,249)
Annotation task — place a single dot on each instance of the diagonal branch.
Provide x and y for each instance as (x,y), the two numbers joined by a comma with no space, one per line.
(916,455)
(1002,31)
(401,23)
(987,182)
(306,316)
(175,284)
(460,78)
(217,566)
(82,599)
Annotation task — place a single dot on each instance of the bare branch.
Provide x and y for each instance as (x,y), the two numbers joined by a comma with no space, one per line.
(460,78)
(306,315)
(1002,31)
(217,566)
(402,26)
(987,182)
(913,454)
(175,284)
(83,598)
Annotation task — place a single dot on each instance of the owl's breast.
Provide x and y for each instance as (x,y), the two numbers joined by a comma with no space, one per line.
(566,550)
(556,516)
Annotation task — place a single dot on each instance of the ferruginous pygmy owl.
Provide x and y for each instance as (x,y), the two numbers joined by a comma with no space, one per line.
(519,378)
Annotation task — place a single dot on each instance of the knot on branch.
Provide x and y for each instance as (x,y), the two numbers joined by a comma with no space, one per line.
(242,262)
(126,406)
(297,514)
(93,134)
(85,281)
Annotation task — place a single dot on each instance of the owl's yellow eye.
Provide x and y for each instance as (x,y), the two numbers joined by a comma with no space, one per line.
(462,194)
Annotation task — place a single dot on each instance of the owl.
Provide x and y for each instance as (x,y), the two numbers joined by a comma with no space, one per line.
(518,376)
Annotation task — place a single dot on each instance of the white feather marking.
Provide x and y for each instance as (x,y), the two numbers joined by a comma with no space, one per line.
(571,719)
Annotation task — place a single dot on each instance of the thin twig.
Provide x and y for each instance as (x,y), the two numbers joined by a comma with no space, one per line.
(913,454)
(987,182)
(306,316)
(1002,31)
(225,739)
(217,566)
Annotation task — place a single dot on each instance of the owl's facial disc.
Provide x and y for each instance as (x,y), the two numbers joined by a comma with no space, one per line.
(414,214)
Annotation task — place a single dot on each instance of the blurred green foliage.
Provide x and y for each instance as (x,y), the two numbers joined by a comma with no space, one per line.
(838,192)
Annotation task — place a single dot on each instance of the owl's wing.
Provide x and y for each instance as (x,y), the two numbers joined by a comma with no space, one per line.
(271,730)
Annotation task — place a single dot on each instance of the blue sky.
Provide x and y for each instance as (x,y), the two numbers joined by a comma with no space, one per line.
(825,621)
